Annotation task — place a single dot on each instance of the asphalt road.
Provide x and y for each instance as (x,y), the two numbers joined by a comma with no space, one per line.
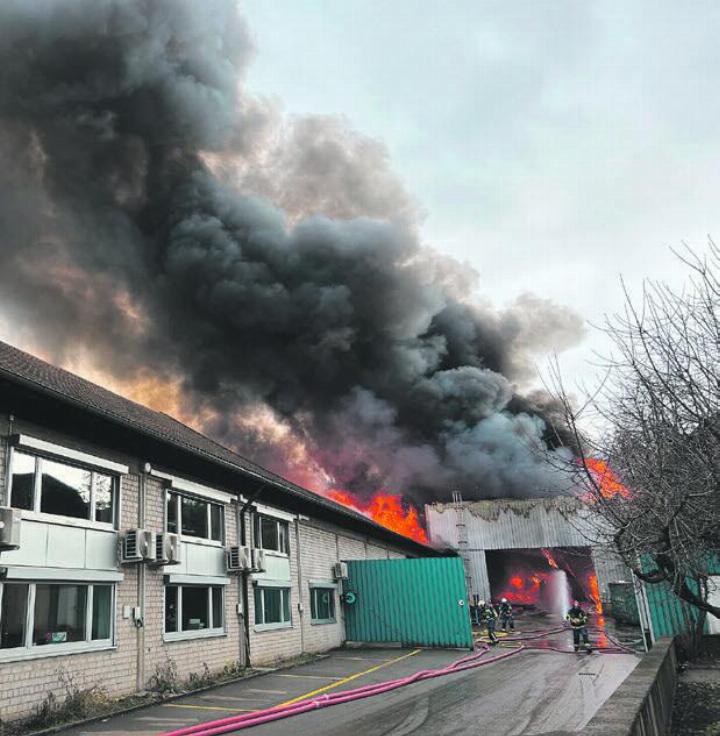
(531,693)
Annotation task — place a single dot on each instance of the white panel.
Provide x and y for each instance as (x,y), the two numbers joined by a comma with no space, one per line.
(203,559)
(174,579)
(276,568)
(271,511)
(66,547)
(100,550)
(33,546)
(61,573)
(189,486)
(33,443)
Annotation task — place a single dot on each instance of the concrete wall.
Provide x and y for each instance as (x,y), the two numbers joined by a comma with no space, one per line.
(642,705)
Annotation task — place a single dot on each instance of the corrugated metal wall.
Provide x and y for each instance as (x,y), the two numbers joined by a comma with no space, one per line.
(520,524)
(417,602)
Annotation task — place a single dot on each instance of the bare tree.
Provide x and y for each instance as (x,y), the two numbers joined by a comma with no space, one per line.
(652,476)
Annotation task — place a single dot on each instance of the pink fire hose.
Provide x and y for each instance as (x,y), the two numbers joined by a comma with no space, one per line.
(472,661)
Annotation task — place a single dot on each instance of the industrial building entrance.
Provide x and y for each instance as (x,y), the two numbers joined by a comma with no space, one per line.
(416,602)
(544,578)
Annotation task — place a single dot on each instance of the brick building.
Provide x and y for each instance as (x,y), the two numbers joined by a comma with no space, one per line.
(82,467)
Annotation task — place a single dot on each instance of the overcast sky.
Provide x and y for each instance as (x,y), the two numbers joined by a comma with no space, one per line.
(553,145)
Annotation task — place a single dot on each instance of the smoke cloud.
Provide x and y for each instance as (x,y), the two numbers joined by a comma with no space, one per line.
(155,215)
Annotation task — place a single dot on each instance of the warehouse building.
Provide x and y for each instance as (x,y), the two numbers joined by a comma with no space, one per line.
(515,548)
(133,547)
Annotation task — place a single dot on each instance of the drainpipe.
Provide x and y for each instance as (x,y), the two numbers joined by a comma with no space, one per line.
(5,498)
(244,576)
(140,627)
(300,608)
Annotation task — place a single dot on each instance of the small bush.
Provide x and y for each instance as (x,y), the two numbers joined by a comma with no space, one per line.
(165,679)
(197,681)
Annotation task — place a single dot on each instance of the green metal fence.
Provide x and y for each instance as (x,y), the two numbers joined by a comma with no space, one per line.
(418,602)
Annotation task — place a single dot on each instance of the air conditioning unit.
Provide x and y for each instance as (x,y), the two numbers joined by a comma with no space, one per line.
(167,549)
(137,545)
(9,528)
(238,559)
(340,570)
(258,560)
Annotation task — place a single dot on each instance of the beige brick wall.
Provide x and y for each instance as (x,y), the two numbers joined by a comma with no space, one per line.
(138,653)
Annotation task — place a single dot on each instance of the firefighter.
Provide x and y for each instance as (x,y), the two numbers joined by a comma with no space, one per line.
(506,615)
(488,616)
(579,620)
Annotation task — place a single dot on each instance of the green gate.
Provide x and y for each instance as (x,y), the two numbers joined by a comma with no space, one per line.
(418,602)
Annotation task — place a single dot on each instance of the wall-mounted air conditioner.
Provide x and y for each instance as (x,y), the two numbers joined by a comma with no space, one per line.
(10,520)
(167,549)
(258,560)
(238,559)
(340,570)
(137,545)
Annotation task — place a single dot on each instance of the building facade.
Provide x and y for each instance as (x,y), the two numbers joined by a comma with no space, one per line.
(83,469)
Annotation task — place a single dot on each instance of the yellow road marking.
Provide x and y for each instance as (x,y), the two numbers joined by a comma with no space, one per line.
(207,707)
(349,679)
(312,677)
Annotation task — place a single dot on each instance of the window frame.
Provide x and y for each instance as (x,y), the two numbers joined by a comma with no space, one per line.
(185,634)
(177,496)
(29,650)
(314,589)
(36,513)
(283,533)
(285,592)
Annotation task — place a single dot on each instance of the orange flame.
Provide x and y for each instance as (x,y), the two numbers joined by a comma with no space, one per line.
(605,479)
(594,593)
(386,509)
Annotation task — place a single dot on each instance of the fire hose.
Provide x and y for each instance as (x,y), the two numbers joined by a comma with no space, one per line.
(472,661)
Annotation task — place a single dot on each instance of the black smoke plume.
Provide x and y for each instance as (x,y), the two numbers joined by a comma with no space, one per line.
(156,216)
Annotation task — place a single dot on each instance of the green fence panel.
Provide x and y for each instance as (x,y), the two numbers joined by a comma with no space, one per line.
(417,602)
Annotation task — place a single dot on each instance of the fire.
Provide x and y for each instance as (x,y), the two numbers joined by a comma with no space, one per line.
(594,592)
(605,479)
(386,509)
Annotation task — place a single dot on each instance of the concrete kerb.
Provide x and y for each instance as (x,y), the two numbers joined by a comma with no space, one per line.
(642,705)
(153,700)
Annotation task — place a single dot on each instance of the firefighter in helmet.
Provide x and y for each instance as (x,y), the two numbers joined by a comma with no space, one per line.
(488,618)
(578,619)
(506,615)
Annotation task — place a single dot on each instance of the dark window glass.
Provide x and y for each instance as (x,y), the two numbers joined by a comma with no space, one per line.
(217,607)
(23,480)
(272,605)
(258,605)
(101,611)
(269,533)
(60,612)
(322,604)
(171,608)
(194,608)
(216,516)
(194,517)
(172,513)
(104,497)
(13,615)
(65,490)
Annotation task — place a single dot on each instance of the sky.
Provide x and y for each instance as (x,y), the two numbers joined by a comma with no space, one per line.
(554,146)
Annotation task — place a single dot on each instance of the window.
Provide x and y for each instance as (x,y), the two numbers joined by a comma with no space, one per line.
(52,487)
(197,517)
(272,606)
(69,614)
(322,604)
(271,533)
(191,608)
